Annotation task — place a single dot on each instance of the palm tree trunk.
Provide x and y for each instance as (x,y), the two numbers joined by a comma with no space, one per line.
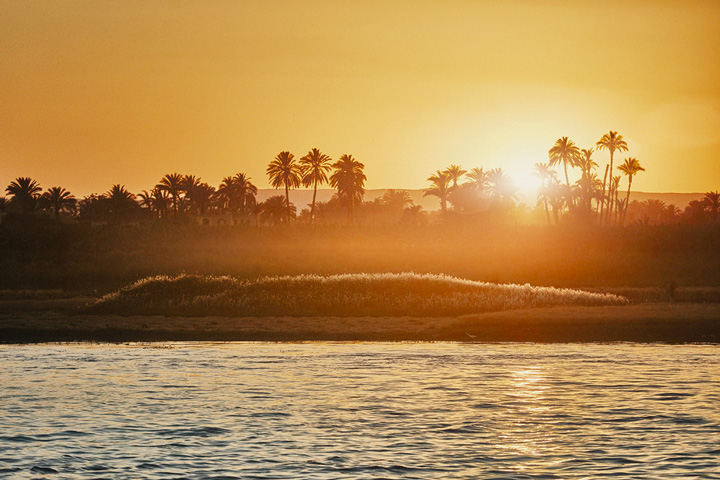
(567,181)
(609,213)
(312,208)
(617,208)
(602,197)
(287,198)
(627,200)
(547,212)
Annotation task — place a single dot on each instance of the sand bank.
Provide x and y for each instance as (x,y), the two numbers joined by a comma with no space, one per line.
(57,321)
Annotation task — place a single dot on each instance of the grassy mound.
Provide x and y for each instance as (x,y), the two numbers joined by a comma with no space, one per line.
(404,294)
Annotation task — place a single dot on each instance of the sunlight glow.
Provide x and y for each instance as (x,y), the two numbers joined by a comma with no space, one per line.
(527,185)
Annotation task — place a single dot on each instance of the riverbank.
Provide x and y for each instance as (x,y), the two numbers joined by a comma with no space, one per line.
(57,320)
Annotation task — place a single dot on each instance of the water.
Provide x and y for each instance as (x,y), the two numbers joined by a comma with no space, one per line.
(356,411)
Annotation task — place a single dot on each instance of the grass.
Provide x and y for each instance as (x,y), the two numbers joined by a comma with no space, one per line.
(384,294)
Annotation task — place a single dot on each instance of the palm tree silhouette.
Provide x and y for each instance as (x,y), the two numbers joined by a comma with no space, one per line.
(501,187)
(653,211)
(629,167)
(59,200)
(155,201)
(566,152)
(413,215)
(246,191)
(586,183)
(711,203)
(585,161)
(547,177)
(283,171)
(201,197)
(314,167)
(613,193)
(455,172)
(612,142)
(120,201)
(439,187)
(172,183)
(275,210)
(146,200)
(396,200)
(188,185)
(478,179)
(349,180)
(25,192)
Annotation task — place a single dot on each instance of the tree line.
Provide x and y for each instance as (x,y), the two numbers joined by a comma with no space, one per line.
(461,193)
(177,194)
(588,200)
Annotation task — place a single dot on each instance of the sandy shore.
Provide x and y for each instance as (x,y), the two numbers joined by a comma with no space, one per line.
(57,320)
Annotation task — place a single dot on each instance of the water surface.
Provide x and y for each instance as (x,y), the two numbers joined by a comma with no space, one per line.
(328,410)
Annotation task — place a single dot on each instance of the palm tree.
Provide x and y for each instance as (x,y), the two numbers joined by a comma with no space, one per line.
(201,197)
(455,172)
(564,151)
(478,179)
(314,167)
(585,161)
(413,215)
(120,201)
(586,182)
(189,184)
(25,192)
(275,210)
(396,200)
(711,203)
(439,187)
(283,171)
(60,200)
(146,200)
(172,183)
(349,180)
(653,211)
(613,193)
(156,200)
(246,191)
(501,186)
(547,177)
(227,193)
(630,167)
(612,142)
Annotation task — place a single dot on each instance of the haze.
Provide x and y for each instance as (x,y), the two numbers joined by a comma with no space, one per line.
(97,93)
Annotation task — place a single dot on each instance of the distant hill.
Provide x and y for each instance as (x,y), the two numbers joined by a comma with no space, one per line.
(680,200)
(302,197)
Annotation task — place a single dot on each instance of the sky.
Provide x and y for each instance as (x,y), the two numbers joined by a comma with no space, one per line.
(94,93)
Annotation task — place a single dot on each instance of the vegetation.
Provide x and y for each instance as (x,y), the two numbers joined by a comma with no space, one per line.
(285,172)
(314,167)
(592,237)
(356,295)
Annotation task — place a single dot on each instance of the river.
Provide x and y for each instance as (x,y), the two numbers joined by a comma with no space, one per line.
(359,410)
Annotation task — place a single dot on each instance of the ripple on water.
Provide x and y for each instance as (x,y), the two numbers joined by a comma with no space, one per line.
(330,411)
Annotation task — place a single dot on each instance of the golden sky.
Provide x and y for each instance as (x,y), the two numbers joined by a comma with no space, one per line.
(94,93)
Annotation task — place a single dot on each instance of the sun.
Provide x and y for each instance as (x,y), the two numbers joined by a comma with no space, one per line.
(527,185)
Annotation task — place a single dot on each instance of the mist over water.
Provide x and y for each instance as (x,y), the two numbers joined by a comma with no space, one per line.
(329,410)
